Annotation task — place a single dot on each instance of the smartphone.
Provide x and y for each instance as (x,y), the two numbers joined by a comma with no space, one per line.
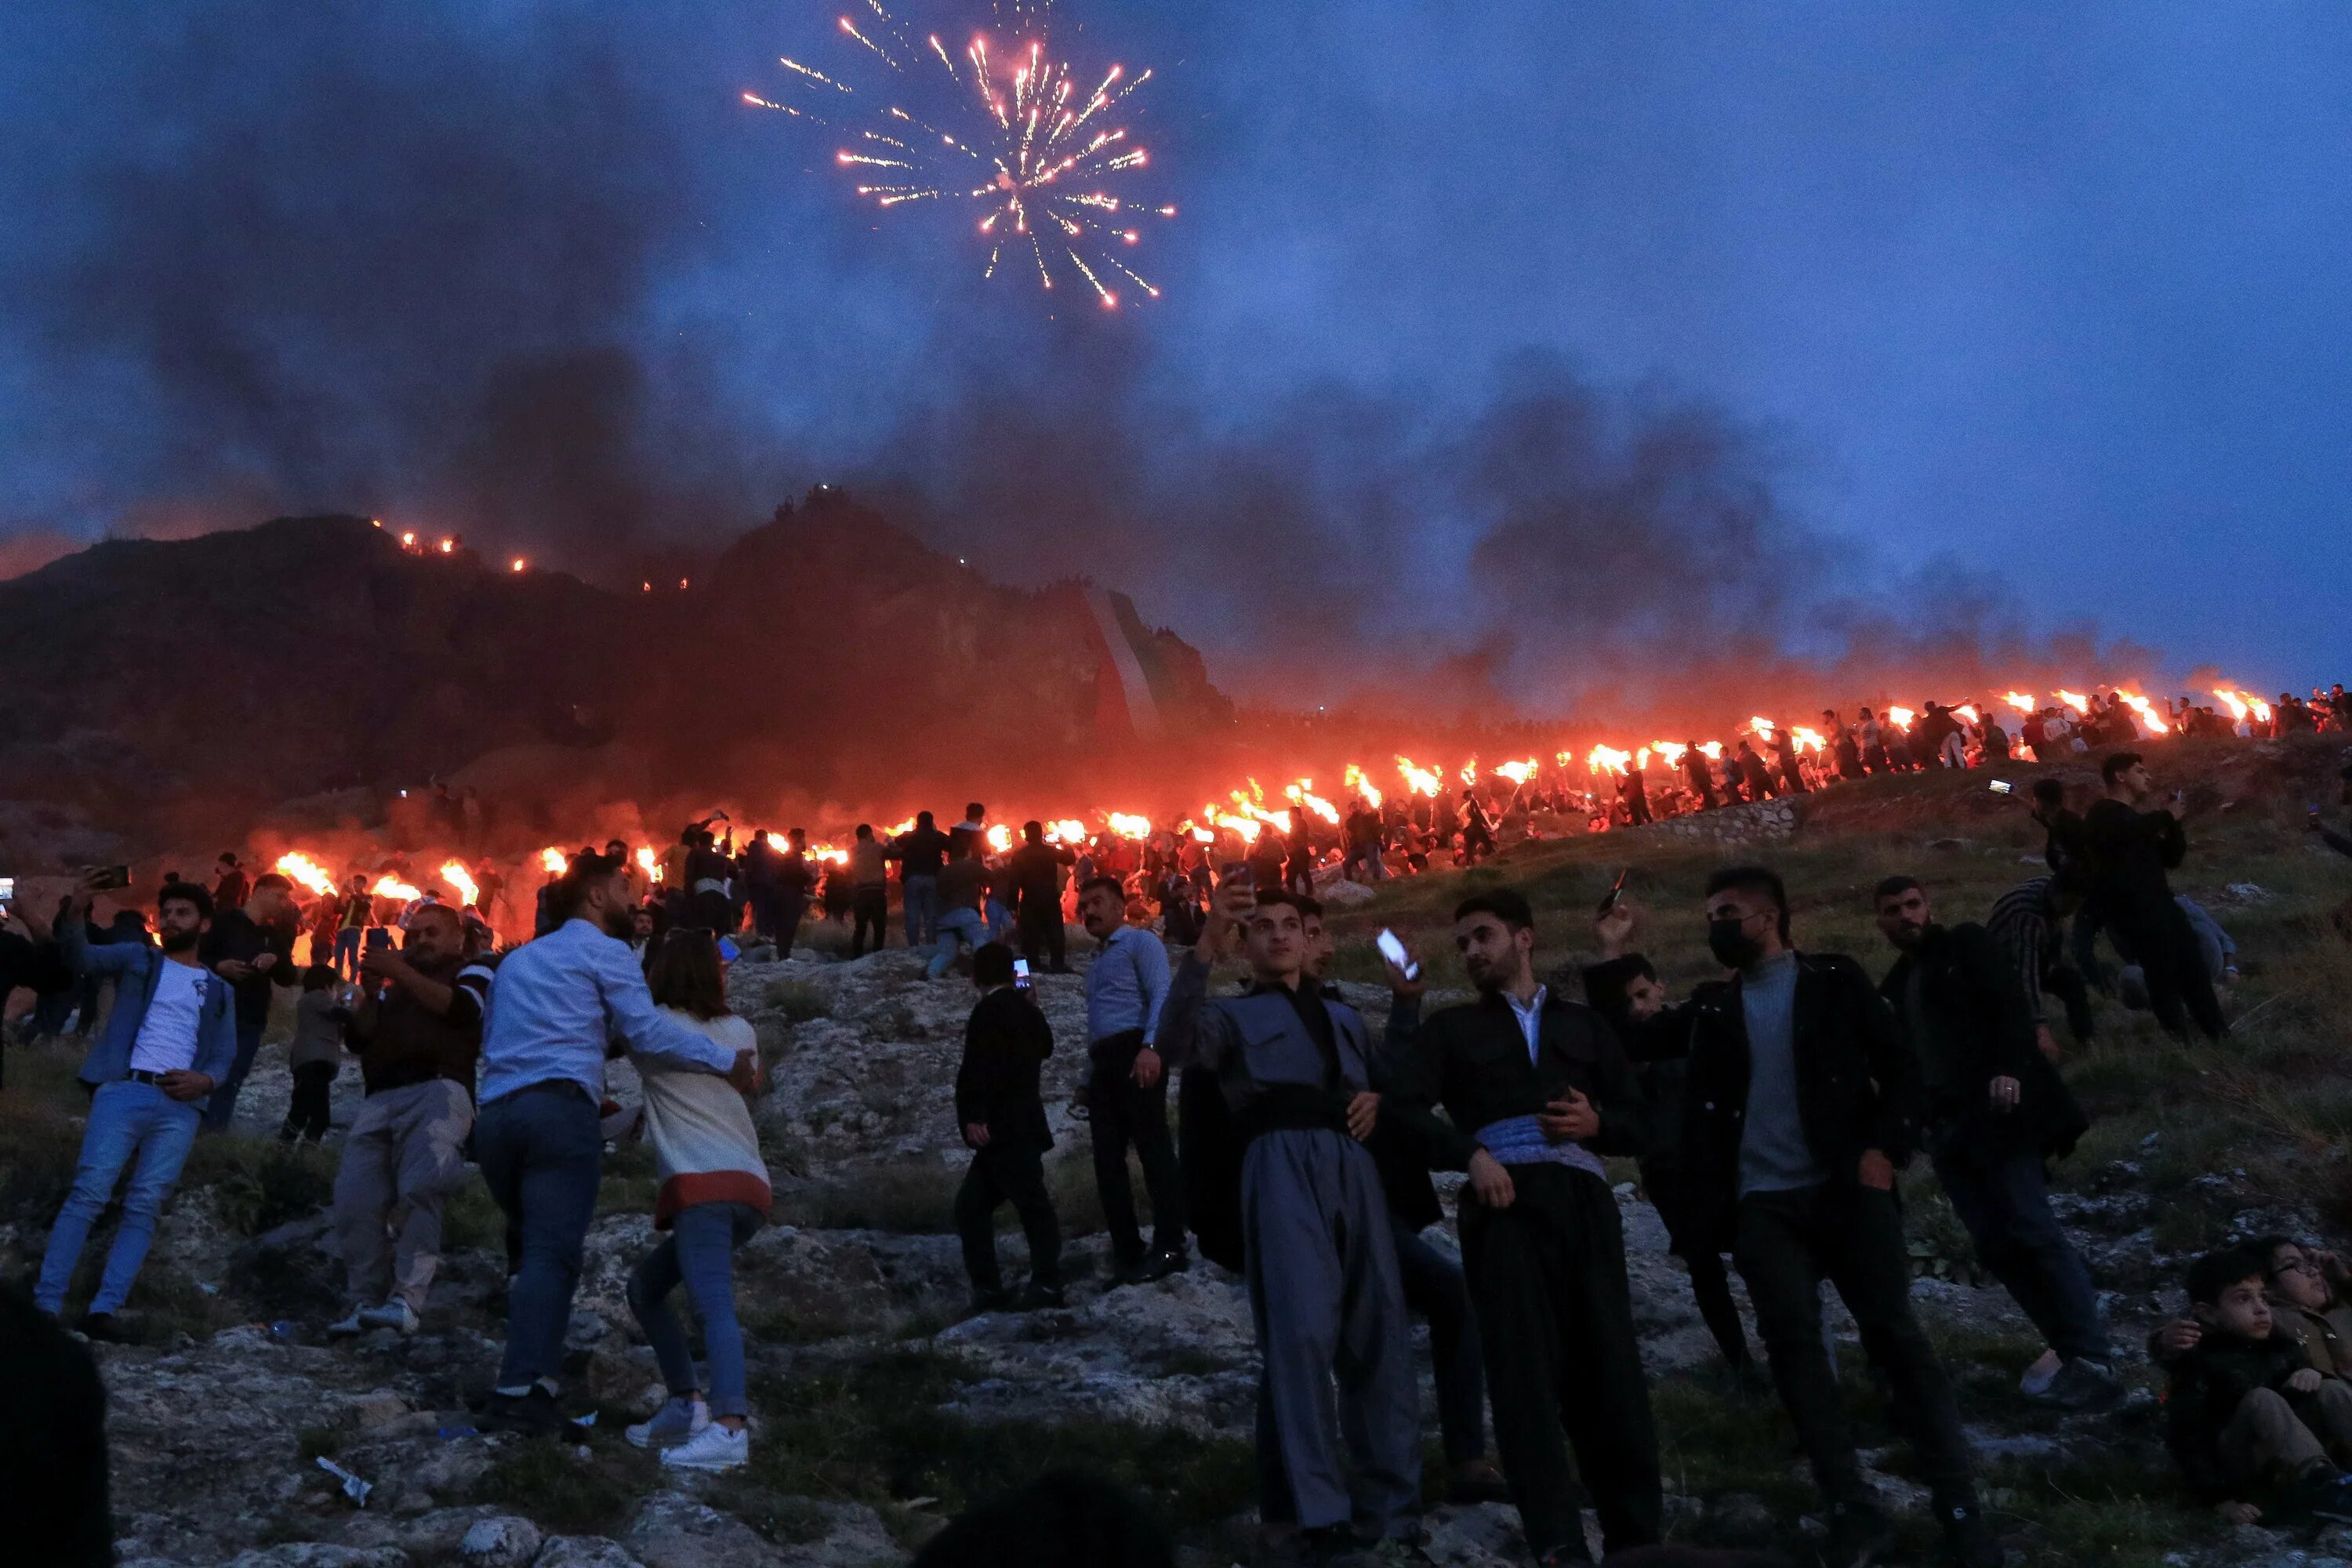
(2002,787)
(8,884)
(378,938)
(1021,972)
(1238,874)
(1393,950)
(1616,891)
(106,877)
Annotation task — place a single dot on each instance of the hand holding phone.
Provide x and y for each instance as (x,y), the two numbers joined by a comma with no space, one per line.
(1392,948)
(2002,787)
(1616,891)
(1021,974)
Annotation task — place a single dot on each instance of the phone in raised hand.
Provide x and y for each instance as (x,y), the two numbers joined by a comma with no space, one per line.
(1616,891)
(1021,974)
(1392,948)
(2002,787)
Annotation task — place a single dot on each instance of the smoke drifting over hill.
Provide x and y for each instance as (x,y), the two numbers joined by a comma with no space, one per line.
(353,258)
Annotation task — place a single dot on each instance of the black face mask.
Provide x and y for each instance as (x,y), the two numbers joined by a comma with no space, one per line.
(1732,946)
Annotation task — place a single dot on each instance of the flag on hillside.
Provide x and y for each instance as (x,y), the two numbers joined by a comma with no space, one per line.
(1132,684)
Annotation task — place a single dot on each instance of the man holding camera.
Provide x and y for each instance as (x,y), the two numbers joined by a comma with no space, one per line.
(171,1037)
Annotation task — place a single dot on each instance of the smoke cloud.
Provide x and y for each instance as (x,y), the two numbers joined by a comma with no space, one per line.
(347,257)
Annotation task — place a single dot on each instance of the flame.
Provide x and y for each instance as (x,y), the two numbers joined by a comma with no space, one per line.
(1763,727)
(408,541)
(1203,836)
(648,864)
(454,872)
(1249,828)
(1711,750)
(1470,772)
(1070,830)
(897,827)
(393,888)
(2261,708)
(1807,739)
(2076,700)
(517,564)
(1969,710)
(2234,702)
(300,867)
(1671,750)
(554,861)
(1608,760)
(2147,711)
(1519,773)
(1302,794)
(1900,717)
(2021,701)
(447,545)
(1420,780)
(1000,838)
(1356,780)
(1126,825)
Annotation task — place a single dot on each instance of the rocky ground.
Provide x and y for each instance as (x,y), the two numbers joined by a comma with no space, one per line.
(882,1408)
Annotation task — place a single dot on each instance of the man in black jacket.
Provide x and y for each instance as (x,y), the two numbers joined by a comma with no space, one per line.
(1995,1109)
(1537,1088)
(1003,1114)
(252,948)
(1036,871)
(2130,850)
(1802,1103)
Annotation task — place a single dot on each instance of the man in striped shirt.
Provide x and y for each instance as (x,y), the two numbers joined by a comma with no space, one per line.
(2029,922)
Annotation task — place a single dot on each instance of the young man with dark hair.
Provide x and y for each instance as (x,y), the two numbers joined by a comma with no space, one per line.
(1003,1114)
(1535,1089)
(417,1031)
(229,885)
(2256,1428)
(922,851)
(1126,1088)
(1995,1109)
(252,948)
(1802,1102)
(554,1008)
(1625,990)
(1036,868)
(352,918)
(170,1037)
(1318,1249)
(2130,850)
(2029,924)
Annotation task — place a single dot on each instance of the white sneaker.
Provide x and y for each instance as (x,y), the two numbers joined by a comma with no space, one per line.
(393,1315)
(673,1423)
(348,1327)
(715,1447)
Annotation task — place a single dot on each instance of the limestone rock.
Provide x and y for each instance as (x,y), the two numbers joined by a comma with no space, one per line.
(506,1542)
(585,1551)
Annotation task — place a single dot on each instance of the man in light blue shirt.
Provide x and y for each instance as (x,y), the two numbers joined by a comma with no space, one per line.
(1126,1092)
(557,1006)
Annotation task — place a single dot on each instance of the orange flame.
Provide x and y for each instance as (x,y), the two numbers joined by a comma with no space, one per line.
(1355,780)
(393,888)
(1807,739)
(1070,830)
(1608,760)
(554,861)
(461,882)
(1420,780)
(1519,772)
(1968,710)
(300,867)
(2021,701)
(2076,700)
(1900,717)
(1126,825)
(648,864)
(1000,838)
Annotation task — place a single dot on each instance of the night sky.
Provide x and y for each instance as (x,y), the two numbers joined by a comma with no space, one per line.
(1817,325)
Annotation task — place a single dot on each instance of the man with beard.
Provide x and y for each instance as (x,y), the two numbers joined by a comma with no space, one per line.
(1802,1101)
(556,1007)
(1317,1247)
(2129,851)
(1127,1086)
(170,1037)
(1536,1090)
(252,948)
(1996,1110)
(417,1031)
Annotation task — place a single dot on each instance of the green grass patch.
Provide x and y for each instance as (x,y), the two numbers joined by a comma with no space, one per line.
(564,1493)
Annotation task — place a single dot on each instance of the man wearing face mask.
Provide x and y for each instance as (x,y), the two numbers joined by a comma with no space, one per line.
(1536,1090)
(555,1007)
(1802,1101)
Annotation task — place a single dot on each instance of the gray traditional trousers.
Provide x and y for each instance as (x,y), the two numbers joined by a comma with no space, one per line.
(404,1154)
(1325,1299)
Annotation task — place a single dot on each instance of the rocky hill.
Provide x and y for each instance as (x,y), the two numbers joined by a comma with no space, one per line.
(882,1407)
(178,691)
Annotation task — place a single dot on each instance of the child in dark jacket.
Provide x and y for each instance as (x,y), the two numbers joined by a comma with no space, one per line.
(2247,1414)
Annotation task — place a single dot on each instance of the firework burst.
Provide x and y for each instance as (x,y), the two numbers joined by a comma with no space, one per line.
(1016,137)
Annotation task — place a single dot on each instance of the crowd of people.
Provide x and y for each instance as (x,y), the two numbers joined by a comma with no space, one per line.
(1771,1111)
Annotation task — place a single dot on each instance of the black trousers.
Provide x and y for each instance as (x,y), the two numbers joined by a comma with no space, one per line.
(1548,1278)
(2163,945)
(1434,1288)
(2066,982)
(870,910)
(1637,808)
(1122,1117)
(1683,1211)
(1850,1236)
(306,1116)
(1041,933)
(791,909)
(1009,1169)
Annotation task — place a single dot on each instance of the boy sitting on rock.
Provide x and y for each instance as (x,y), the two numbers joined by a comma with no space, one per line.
(2247,1414)
(2311,1300)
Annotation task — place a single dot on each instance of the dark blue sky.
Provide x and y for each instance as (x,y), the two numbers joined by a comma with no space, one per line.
(2047,301)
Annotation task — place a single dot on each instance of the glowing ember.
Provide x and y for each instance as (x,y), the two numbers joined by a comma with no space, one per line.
(461,882)
(517,564)
(300,868)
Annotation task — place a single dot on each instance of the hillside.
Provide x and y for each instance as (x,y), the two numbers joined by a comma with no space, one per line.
(881,1408)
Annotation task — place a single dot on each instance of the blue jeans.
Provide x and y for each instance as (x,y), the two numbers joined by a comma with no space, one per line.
(956,928)
(221,1106)
(542,1151)
(347,952)
(1000,920)
(135,1125)
(922,897)
(2004,1201)
(699,1251)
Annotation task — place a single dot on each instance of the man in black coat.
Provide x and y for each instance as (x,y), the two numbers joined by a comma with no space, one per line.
(1995,1109)
(2130,851)
(1003,1114)
(1802,1101)
(1036,870)
(1537,1088)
